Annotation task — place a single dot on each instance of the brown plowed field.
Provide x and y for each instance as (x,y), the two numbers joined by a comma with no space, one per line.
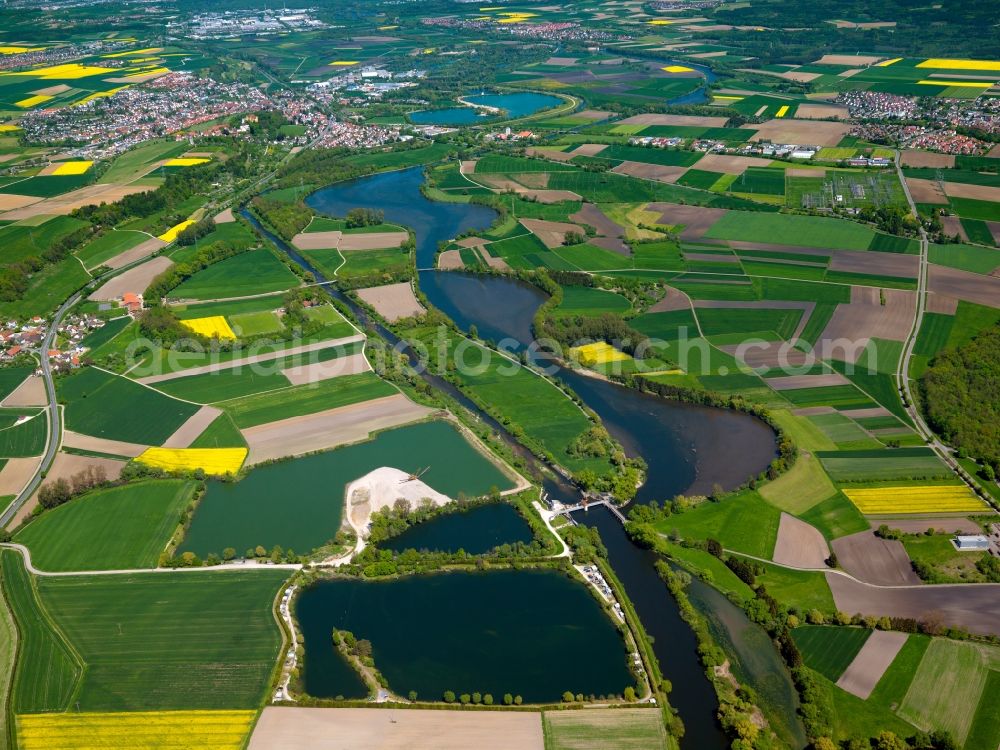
(673,299)
(69,202)
(878,264)
(973,287)
(870,663)
(802,132)
(696,220)
(644,171)
(692,120)
(821,112)
(133,280)
(926,191)
(873,560)
(331,368)
(799,545)
(392,301)
(791,382)
(551,233)
(101,445)
(730,164)
(196,424)
(914,158)
(142,250)
(940,303)
(450,259)
(847,60)
(974,607)
(865,318)
(286,728)
(976,192)
(31,392)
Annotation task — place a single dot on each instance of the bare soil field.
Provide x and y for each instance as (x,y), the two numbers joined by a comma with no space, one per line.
(328,429)
(142,250)
(976,192)
(133,280)
(658,172)
(10,201)
(692,120)
(468,166)
(952,226)
(550,196)
(803,172)
(393,301)
(848,60)
(333,368)
(865,318)
(879,264)
(973,287)
(914,158)
(66,465)
(768,354)
(874,560)
(791,382)
(941,303)
(498,263)
(471,242)
(821,112)
(533,179)
(610,230)
(710,258)
(673,299)
(378,729)
(31,392)
(136,78)
(974,607)
(594,114)
(799,545)
(730,164)
(874,411)
(863,24)
(16,473)
(68,202)
(225,217)
(450,259)
(811,411)
(696,220)
(549,153)
(811,132)
(317,240)
(551,233)
(870,663)
(926,191)
(101,445)
(372,240)
(994,227)
(196,424)
(589,149)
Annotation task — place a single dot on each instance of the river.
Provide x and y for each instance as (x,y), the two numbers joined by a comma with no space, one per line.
(687,448)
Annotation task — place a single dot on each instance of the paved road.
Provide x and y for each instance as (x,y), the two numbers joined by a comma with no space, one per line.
(903,369)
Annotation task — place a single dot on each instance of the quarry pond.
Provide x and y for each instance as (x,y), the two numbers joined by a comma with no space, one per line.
(535,633)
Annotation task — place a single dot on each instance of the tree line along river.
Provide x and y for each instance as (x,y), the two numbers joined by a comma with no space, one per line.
(687,448)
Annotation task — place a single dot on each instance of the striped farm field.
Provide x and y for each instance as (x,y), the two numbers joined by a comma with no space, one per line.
(140,730)
(214,461)
(892,499)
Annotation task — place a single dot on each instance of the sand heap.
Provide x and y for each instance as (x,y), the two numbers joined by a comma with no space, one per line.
(381,488)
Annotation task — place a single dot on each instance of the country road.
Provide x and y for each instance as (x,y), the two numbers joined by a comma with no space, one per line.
(903,367)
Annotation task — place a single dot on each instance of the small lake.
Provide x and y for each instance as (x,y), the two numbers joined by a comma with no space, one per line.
(299,503)
(475,530)
(515,106)
(534,633)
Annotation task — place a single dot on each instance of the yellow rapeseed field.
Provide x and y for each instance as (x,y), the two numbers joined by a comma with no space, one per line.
(185,161)
(32,101)
(99,95)
(171,234)
(73,167)
(132,52)
(927,499)
(966,84)
(782,111)
(887,63)
(67,71)
(344,62)
(953,64)
(598,353)
(140,730)
(8,128)
(216,461)
(213,326)
(148,72)
(15,49)
(677,69)
(660,22)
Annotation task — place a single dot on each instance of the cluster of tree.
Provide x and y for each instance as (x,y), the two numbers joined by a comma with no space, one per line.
(585,542)
(573,330)
(475,698)
(319,166)
(60,490)
(275,555)
(593,443)
(891,219)
(194,232)
(961,396)
(287,218)
(365,217)
(15,277)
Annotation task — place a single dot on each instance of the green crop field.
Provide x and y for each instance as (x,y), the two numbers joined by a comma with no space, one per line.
(47,668)
(107,246)
(223,385)
(582,300)
(786,229)
(8,655)
(254,323)
(829,649)
(717,321)
(802,487)
(744,522)
(222,433)
(802,589)
(109,406)
(12,377)
(837,396)
(947,686)
(970,208)
(667,326)
(884,465)
(966,257)
(105,333)
(401,159)
(267,303)
(25,439)
(306,399)
(252,272)
(141,636)
(605,729)
(137,161)
(122,527)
